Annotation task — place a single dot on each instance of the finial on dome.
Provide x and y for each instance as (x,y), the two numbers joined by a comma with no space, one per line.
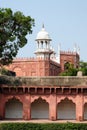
(43,25)
(43,29)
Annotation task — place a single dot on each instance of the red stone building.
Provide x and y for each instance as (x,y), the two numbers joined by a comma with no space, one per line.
(46,63)
(37,92)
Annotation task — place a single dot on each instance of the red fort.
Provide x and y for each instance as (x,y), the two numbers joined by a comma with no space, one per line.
(45,95)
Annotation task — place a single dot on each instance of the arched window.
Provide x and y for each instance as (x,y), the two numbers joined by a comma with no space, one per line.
(66,66)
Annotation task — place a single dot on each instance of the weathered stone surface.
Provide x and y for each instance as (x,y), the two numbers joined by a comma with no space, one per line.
(66,81)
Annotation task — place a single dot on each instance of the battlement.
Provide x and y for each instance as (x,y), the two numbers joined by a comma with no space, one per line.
(69,53)
(30,58)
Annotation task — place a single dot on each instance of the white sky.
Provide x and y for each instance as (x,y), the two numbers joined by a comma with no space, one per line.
(65,20)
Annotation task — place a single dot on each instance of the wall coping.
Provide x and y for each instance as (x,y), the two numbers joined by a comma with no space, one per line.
(52,81)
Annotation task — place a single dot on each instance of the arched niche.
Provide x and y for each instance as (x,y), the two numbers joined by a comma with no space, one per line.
(85,111)
(66,110)
(39,109)
(66,65)
(13,109)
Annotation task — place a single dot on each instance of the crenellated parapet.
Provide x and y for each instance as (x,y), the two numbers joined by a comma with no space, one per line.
(69,53)
(30,58)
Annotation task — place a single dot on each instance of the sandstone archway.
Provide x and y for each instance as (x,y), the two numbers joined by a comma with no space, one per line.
(85,111)
(13,109)
(39,109)
(66,110)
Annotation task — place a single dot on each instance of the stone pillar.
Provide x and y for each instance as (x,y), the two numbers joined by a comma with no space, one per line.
(2,107)
(26,107)
(52,107)
(79,108)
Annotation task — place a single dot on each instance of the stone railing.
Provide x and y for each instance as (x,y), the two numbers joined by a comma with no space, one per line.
(51,81)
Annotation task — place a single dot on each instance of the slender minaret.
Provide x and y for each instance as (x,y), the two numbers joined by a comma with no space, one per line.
(75,47)
(58,58)
(78,50)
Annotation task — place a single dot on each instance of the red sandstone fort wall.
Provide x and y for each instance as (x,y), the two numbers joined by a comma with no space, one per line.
(34,67)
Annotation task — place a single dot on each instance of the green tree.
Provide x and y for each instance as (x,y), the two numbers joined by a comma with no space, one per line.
(69,70)
(83,67)
(13,30)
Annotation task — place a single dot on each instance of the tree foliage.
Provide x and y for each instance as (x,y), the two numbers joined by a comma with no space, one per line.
(69,70)
(83,67)
(13,30)
(4,71)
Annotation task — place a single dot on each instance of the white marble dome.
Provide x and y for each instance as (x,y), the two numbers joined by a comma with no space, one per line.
(43,35)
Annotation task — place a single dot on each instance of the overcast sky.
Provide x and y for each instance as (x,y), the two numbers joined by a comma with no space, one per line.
(64,20)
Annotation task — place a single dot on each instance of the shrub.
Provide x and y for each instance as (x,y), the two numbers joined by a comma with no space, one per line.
(43,126)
